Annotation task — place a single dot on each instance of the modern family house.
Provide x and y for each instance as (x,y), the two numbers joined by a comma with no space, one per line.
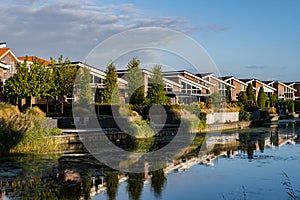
(269,90)
(239,86)
(219,85)
(284,91)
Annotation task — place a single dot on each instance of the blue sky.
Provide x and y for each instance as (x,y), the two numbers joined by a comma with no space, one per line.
(258,39)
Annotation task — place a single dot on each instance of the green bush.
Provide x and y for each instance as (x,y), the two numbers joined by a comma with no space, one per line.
(141,129)
(244,115)
(56,131)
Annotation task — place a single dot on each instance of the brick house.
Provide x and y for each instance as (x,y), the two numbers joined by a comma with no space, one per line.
(239,86)
(8,63)
(218,85)
(257,84)
(284,91)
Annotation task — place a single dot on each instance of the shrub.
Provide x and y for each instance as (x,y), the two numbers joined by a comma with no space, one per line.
(244,115)
(141,129)
(56,131)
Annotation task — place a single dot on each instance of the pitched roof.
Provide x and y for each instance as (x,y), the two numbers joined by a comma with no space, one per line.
(3,51)
(31,58)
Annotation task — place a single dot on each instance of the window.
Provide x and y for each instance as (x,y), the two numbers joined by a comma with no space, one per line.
(11,69)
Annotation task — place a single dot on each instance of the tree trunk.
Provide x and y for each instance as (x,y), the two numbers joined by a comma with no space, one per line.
(62,105)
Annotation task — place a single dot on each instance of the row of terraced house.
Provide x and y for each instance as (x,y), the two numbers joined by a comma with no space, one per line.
(181,86)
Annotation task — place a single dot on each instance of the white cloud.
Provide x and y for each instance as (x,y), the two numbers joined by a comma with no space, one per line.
(71,28)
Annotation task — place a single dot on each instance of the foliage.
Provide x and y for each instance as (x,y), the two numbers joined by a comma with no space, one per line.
(64,75)
(297,105)
(158,180)
(228,94)
(242,99)
(273,99)
(83,88)
(261,98)
(191,123)
(244,115)
(250,93)
(56,131)
(216,99)
(141,129)
(135,185)
(24,133)
(290,106)
(156,92)
(111,93)
(135,84)
(8,111)
(112,183)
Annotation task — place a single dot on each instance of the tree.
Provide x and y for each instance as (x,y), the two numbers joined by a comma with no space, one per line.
(242,98)
(16,87)
(273,99)
(111,93)
(64,77)
(228,94)
(156,92)
(83,86)
(135,84)
(40,81)
(261,98)
(250,93)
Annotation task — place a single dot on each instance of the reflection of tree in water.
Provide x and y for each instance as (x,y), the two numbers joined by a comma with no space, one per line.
(158,180)
(248,143)
(135,185)
(112,183)
(144,145)
(275,138)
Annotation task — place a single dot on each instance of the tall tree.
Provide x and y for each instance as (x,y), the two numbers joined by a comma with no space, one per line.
(135,84)
(83,89)
(228,94)
(250,93)
(261,98)
(156,92)
(64,77)
(111,93)
(40,81)
(242,98)
(273,99)
(16,87)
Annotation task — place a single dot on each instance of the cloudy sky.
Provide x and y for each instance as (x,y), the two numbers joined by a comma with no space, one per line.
(257,39)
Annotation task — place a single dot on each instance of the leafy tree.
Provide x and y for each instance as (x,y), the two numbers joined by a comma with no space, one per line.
(111,93)
(64,77)
(134,78)
(16,87)
(273,99)
(156,92)
(98,96)
(290,106)
(250,93)
(228,94)
(83,86)
(135,185)
(40,81)
(216,99)
(242,98)
(261,98)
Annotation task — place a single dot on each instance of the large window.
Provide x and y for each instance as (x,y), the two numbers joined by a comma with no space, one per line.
(190,89)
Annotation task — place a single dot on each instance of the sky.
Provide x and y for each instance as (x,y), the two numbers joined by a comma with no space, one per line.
(246,39)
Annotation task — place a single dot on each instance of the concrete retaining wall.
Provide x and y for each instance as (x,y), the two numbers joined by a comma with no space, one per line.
(222,117)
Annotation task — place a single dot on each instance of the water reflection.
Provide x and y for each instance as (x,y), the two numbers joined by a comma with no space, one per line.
(80,176)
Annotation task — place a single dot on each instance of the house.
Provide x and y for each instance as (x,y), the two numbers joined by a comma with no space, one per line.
(239,86)
(296,86)
(218,85)
(257,84)
(172,88)
(194,88)
(284,91)
(97,80)
(30,60)
(8,63)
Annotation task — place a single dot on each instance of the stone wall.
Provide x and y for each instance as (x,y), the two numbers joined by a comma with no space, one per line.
(222,117)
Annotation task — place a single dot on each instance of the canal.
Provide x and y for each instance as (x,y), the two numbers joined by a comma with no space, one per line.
(254,163)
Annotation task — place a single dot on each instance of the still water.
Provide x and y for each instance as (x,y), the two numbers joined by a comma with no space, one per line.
(263,164)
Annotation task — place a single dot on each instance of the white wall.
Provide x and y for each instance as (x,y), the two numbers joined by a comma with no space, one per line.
(222,117)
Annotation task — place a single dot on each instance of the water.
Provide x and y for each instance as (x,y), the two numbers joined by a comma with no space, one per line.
(256,167)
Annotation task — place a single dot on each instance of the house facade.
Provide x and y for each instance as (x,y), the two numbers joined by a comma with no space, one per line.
(269,90)
(239,86)
(284,91)
(218,85)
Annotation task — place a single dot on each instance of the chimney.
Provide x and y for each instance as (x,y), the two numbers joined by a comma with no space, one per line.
(2,44)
